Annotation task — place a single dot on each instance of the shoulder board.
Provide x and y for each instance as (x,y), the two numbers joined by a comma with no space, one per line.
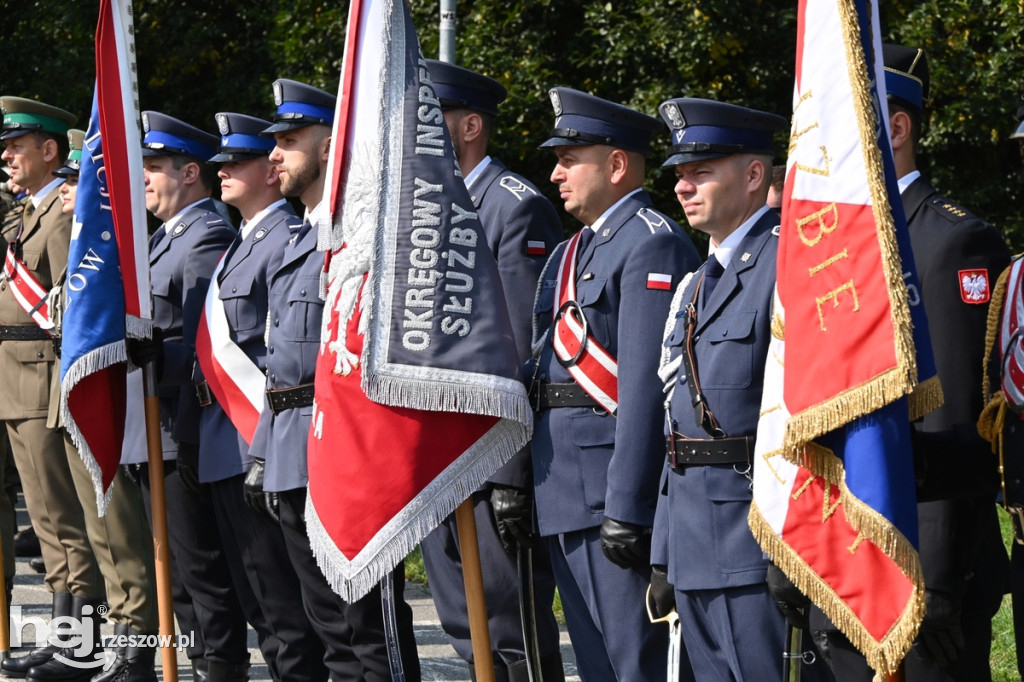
(653,219)
(515,186)
(948,210)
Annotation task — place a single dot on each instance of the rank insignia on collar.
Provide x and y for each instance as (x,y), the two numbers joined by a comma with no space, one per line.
(974,286)
(180,228)
(606,232)
(588,276)
(745,257)
(260,234)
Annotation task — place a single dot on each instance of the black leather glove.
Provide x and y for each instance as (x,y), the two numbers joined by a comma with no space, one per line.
(626,545)
(513,514)
(661,598)
(940,640)
(188,466)
(143,351)
(255,496)
(793,603)
(132,473)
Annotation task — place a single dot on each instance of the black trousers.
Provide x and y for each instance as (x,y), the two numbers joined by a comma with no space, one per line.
(255,549)
(205,601)
(353,634)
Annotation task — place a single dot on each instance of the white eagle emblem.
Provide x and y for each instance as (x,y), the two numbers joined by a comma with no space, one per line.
(974,286)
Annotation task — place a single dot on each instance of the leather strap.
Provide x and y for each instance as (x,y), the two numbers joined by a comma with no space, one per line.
(545,395)
(23,332)
(684,452)
(702,411)
(282,399)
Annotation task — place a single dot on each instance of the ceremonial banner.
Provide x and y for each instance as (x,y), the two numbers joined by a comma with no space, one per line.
(107,284)
(834,498)
(418,400)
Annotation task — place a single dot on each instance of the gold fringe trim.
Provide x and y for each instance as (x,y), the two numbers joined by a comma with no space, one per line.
(995,308)
(883,656)
(991,423)
(778,327)
(926,397)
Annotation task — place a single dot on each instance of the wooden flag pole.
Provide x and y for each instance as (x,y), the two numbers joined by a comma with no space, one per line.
(473,577)
(161,553)
(5,618)
(898,676)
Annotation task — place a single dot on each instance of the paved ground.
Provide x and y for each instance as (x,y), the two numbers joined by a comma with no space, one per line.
(437,658)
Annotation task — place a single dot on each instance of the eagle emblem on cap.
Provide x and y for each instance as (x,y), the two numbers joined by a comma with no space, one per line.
(145,122)
(675,116)
(556,102)
(222,124)
(278,94)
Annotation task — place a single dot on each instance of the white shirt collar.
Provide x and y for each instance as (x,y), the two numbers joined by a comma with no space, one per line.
(604,216)
(907,180)
(250,225)
(318,213)
(38,197)
(724,251)
(475,173)
(169,225)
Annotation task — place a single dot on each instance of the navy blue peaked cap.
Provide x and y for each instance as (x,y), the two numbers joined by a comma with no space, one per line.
(906,74)
(582,119)
(164,135)
(300,105)
(240,138)
(459,88)
(704,129)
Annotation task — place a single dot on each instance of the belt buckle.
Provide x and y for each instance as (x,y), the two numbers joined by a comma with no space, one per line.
(1017,522)
(203,394)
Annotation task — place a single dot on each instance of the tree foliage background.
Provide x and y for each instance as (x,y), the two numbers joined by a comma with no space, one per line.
(197,57)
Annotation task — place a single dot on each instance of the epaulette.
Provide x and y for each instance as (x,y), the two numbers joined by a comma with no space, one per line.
(653,218)
(948,210)
(515,186)
(212,219)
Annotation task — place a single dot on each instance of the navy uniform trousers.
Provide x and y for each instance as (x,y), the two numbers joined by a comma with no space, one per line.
(588,464)
(352,634)
(522,229)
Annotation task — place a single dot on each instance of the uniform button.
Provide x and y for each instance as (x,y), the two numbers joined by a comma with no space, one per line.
(277,323)
(234,290)
(3,287)
(273,378)
(271,349)
(303,292)
(39,354)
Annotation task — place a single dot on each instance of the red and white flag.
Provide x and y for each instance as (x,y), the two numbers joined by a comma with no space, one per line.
(834,496)
(418,400)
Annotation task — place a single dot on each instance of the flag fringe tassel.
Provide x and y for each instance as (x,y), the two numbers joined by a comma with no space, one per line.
(88,364)
(352,580)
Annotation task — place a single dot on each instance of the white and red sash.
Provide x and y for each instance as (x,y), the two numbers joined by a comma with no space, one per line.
(28,292)
(1011,337)
(235,380)
(594,368)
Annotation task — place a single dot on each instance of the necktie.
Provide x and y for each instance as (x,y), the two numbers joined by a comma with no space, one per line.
(712,273)
(586,236)
(157,237)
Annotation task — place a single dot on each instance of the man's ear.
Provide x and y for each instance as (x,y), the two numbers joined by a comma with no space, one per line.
(472,126)
(190,173)
(49,148)
(325,149)
(899,129)
(618,162)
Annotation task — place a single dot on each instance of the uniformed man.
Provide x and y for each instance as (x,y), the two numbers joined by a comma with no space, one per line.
(183,253)
(238,296)
(722,155)
(522,228)
(597,449)
(121,538)
(958,257)
(353,634)
(35,136)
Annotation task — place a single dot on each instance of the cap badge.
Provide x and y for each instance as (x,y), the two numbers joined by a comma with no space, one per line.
(678,135)
(556,102)
(222,125)
(675,116)
(145,122)
(278,94)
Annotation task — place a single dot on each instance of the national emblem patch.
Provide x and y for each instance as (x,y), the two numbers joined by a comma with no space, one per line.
(974,286)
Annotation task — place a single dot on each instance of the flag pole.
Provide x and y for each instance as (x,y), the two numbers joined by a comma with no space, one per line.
(473,577)
(161,553)
(5,622)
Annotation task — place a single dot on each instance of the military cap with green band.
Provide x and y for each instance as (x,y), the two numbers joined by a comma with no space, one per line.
(73,165)
(22,116)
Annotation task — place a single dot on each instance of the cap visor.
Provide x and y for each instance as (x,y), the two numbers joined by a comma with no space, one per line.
(677,159)
(287,125)
(237,156)
(564,142)
(10,134)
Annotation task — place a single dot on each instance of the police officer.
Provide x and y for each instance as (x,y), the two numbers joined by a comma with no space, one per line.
(597,450)
(35,135)
(522,229)
(353,634)
(121,538)
(182,255)
(250,183)
(722,155)
(958,257)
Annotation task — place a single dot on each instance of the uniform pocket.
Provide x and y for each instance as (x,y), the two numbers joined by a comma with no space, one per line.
(730,351)
(239,303)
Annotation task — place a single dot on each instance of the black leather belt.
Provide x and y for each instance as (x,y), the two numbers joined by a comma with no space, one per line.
(282,399)
(23,332)
(545,395)
(204,393)
(688,452)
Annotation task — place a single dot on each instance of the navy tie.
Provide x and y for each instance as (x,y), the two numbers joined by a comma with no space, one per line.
(712,273)
(586,236)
